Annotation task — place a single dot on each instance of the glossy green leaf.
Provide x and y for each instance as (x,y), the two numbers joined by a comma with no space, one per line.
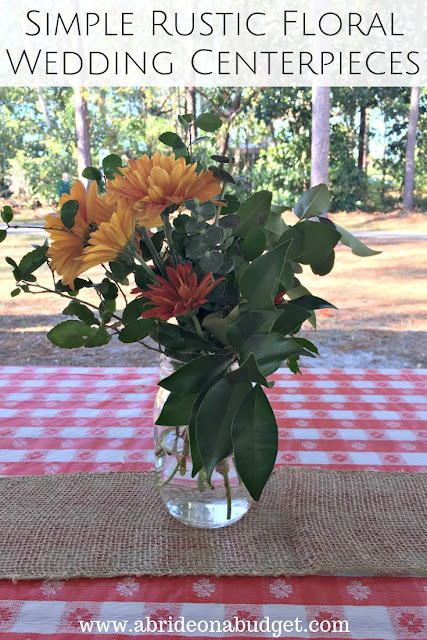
(311,303)
(270,350)
(255,441)
(91,173)
(257,204)
(311,243)
(313,202)
(214,436)
(133,310)
(248,372)
(357,247)
(325,266)
(306,344)
(33,260)
(196,374)
(176,411)
(208,122)
(3,235)
(81,312)
(249,323)
(70,334)
(260,281)
(111,165)
(253,244)
(137,330)
(7,214)
(291,319)
(68,213)
(99,338)
(287,277)
(172,139)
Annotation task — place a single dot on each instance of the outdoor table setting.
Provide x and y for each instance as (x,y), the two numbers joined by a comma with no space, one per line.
(227,492)
(69,420)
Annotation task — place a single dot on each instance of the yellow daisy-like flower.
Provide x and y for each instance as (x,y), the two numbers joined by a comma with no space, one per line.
(112,238)
(67,245)
(152,184)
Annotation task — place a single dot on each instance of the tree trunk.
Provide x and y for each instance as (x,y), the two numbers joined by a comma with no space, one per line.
(192,108)
(320,136)
(408,192)
(82,132)
(43,104)
(362,162)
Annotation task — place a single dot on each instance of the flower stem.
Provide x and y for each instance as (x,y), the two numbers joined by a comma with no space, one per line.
(145,266)
(170,477)
(168,235)
(197,325)
(227,488)
(152,249)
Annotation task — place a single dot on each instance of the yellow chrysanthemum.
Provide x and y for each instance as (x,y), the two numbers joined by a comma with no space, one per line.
(67,245)
(151,184)
(112,238)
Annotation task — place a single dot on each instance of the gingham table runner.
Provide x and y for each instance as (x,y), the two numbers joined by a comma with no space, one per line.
(63,420)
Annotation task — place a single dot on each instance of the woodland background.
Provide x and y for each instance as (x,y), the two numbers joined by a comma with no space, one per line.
(361,140)
(369,143)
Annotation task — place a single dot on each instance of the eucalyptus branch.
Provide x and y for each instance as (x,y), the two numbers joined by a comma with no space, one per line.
(152,249)
(116,282)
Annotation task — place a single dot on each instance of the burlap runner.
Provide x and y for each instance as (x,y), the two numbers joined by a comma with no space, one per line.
(308,521)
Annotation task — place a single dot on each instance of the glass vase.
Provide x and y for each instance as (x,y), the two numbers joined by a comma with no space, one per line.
(193,501)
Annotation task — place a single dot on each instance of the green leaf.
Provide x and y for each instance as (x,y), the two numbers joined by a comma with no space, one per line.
(7,214)
(255,441)
(214,436)
(310,302)
(292,317)
(176,411)
(313,202)
(312,242)
(233,204)
(173,336)
(15,293)
(33,260)
(99,338)
(357,247)
(208,122)
(91,173)
(257,204)
(249,323)
(211,261)
(70,334)
(325,266)
(270,350)
(306,344)
(253,244)
(217,326)
(260,280)
(111,165)
(196,374)
(172,139)
(230,221)
(81,312)
(3,234)
(68,213)
(248,372)
(133,310)
(287,278)
(186,120)
(137,330)
(221,174)
(292,363)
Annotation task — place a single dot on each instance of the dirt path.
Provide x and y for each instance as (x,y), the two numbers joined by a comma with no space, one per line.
(380,322)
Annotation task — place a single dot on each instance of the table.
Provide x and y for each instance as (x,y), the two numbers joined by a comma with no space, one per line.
(63,420)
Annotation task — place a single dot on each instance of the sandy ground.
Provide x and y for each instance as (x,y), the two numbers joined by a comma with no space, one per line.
(380,321)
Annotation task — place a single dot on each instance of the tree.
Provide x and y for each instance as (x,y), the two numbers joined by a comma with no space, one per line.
(362,161)
(408,192)
(320,136)
(82,130)
(191,107)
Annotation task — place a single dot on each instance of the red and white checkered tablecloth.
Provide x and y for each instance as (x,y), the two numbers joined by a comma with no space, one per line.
(63,420)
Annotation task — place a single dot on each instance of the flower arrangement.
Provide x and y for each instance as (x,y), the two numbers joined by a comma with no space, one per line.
(214,283)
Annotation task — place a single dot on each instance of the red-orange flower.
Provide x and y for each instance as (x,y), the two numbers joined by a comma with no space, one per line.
(178,296)
(278,298)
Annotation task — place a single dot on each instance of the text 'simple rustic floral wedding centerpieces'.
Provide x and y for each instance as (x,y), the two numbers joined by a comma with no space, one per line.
(214,283)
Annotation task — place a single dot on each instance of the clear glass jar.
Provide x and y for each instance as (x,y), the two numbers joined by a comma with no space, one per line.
(192,500)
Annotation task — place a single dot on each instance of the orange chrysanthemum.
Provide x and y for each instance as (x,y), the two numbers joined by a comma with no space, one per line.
(112,238)
(178,296)
(152,184)
(67,245)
